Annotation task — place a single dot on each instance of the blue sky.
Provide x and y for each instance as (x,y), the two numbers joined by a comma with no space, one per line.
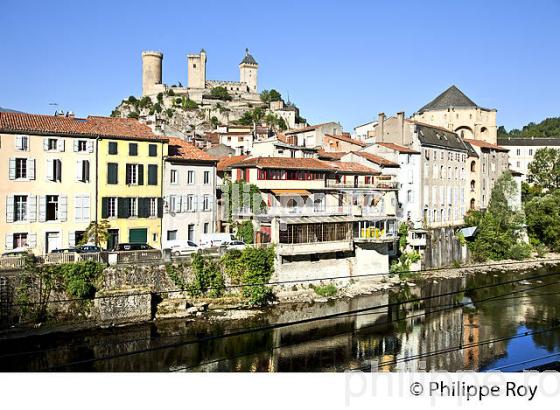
(337,60)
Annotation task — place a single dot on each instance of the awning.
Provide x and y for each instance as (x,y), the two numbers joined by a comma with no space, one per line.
(291,192)
(321,219)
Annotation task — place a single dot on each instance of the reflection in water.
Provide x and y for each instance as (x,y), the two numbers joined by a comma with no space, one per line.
(446,330)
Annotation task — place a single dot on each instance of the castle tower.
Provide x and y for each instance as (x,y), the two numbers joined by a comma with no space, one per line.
(197,70)
(151,72)
(248,71)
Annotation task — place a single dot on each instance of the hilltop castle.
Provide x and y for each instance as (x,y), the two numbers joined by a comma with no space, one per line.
(198,85)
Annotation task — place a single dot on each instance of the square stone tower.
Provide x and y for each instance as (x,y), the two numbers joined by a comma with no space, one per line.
(197,70)
(248,72)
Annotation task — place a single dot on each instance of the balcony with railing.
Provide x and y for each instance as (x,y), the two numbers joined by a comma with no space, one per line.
(378,183)
(353,210)
(382,230)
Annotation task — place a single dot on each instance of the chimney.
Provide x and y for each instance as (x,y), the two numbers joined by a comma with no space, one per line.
(380,126)
(400,121)
(70,114)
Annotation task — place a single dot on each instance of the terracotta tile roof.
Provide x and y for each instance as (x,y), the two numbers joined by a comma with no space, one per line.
(308,128)
(376,159)
(354,168)
(285,163)
(92,126)
(179,149)
(227,162)
(484,144)
(331,156)
(399,148)
(347,138)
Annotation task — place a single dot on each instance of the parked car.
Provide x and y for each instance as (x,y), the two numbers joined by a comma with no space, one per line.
(88,249)
(64,250)
(239,245)
(132,247)
(211,240)
(16,252)
(182,248)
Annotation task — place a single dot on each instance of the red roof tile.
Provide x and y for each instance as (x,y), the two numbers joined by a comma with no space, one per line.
(227,162)
(484,144)
(331,156)
(399,148)
(285,163)
(347,138)
(354,168)
(93,126)
(376,159)
(184,150)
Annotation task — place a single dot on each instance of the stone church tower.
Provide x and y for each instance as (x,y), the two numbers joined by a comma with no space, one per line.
(248,72)
(197,70)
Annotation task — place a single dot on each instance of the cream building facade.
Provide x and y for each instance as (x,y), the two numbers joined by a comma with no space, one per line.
(522,151)
(456,112)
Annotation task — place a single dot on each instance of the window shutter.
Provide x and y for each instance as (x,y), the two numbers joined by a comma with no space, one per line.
(143,207)
(85,208)
(12,168)
(79,169)
(71,238)
(50,176)
(166,199)
(45,144)
(58,164)
(123,207)
(86,170)
(62,208)
(128,174)
(104,208)
(76,143)
(152,174)
(31,208)
(10,208)
(60,145)
(112,173)
(78,208)
(42,208)
(31,240)
(31,169)
(90,146)
(140,174)
(19,142)
(160,207)
(9,241)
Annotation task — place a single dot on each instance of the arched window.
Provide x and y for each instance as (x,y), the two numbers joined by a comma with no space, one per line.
(473,166)
(472,203)
(472,185)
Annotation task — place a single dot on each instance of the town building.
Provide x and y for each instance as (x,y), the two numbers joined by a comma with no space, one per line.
(484,168)
(323,217)
(56,179)
(456,112)
(442,170)
(189,193)
(522,151)
(278,147)
(312,136)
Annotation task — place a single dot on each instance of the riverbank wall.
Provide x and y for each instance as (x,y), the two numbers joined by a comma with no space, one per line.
(140,293)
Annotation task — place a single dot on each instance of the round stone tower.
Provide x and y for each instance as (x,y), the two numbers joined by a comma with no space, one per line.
(151,72)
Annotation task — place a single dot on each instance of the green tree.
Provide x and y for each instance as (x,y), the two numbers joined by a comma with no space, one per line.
(133,114)
(240,194)
(245,231)
(548,128)
(501,227)
(188,104)
(543,219)
(97,232)
(268,96)
(220,93)
(544,170)
(214,121)
(145,102)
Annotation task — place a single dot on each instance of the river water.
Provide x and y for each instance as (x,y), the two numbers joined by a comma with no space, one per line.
(452,324)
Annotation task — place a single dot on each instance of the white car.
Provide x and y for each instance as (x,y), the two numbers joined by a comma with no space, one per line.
(183,248)
(239,245)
